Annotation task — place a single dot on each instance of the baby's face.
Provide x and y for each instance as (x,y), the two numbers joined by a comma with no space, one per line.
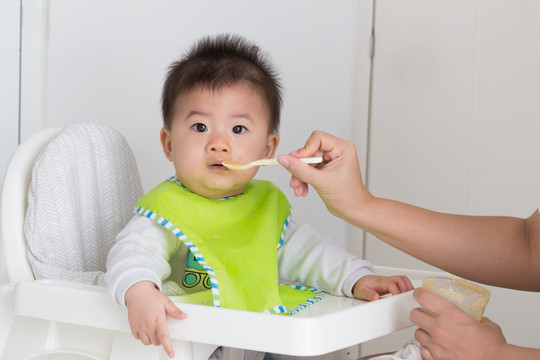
(209,127)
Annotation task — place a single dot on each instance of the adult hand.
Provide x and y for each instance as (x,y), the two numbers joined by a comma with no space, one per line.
(338,180)
(453,334)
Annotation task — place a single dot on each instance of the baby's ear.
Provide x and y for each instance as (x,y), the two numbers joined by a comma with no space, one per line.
(165,137)
(271,145)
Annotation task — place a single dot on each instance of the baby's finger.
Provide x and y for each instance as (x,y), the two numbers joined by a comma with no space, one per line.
(145,339)
(403,283)
(165,340)
(406,284)
(391,287)
(372,295)
(154,338)
(173,311)
(365,293)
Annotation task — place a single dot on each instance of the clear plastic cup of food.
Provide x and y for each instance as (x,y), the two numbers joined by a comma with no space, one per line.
(469,297)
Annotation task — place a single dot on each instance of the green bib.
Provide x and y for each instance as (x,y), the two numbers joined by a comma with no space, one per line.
(235,240)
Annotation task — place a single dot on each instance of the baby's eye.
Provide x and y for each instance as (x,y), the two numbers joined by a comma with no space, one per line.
(198,127)
(239,129)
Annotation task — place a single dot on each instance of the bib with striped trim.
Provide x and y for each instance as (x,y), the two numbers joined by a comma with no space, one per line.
(235,240)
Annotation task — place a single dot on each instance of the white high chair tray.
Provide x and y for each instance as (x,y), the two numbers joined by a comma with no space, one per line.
(332,324)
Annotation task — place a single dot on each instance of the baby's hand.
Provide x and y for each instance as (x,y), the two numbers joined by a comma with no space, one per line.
(147,314)
(372,287)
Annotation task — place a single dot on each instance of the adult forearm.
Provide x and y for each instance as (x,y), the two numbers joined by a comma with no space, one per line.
(488,249)
(517,352)
(502,251)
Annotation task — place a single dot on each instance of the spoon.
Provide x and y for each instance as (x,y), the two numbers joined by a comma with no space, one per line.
(264,162)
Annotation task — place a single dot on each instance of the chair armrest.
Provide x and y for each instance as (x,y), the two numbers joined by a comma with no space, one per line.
(69,302)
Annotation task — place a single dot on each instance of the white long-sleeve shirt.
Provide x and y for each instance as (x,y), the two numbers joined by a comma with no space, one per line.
(143,249)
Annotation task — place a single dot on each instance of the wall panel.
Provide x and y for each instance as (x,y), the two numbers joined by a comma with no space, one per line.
(455,121)
(105,61)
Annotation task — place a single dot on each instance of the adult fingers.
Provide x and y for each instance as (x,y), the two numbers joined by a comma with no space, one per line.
(425,341)
(422,319)
(432,302)
(422,336)
(426,354)
(300,187)
(300,170)
(318,143)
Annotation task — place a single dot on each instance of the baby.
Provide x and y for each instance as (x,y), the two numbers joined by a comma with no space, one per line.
(209,227)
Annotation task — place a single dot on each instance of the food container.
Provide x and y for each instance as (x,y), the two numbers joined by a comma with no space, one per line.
(470,297)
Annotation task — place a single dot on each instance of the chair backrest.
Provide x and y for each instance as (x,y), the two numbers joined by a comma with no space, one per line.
(84,186)
(13,203)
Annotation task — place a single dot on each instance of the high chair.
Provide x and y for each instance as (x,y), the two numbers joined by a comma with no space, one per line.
(77,188)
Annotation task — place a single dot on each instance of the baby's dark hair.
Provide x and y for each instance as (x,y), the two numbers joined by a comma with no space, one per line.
(223,60)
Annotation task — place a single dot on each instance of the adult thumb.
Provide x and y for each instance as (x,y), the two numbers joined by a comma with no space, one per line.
(298,168)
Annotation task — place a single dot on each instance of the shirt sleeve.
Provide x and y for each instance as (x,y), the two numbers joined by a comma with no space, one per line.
(308,259)
(141,252)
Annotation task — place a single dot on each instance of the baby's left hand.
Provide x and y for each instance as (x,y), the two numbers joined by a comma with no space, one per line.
(372,287)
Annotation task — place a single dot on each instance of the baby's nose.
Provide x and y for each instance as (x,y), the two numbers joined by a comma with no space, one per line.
(219,145)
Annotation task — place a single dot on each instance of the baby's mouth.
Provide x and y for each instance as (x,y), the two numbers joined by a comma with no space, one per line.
(218,166)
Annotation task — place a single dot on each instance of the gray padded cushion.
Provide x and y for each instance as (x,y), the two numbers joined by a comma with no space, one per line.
(85,185)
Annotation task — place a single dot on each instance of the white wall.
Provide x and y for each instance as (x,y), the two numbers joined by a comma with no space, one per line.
(9,81)
(455,108)
(455,121)
(105,61)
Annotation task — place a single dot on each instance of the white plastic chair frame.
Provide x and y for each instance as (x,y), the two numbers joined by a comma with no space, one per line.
(77,321)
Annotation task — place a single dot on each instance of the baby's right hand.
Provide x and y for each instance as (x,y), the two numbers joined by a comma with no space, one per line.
(147,314)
